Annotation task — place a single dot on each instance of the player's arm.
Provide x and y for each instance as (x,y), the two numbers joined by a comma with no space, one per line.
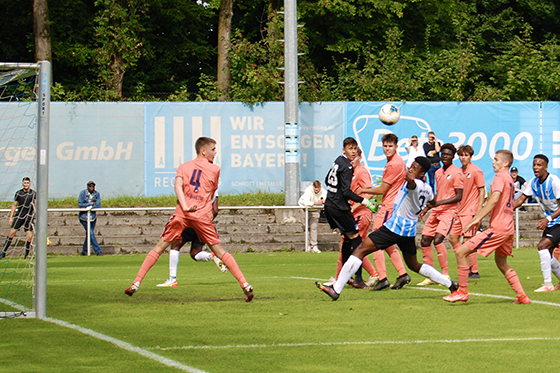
(457,198)
(490,204)
(345,182)
(481,198)
(181,196)
(215,206)
(12,212)
(377,191)
(519,201)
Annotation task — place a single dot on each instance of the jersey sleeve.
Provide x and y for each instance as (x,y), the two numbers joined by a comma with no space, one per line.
(458,180)
(345,184)
(391,174)
(528,191)
(497,185)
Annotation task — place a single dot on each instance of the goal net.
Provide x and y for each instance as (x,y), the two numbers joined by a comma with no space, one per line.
(24,106)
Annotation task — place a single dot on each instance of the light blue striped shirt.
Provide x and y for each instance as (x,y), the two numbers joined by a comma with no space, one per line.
(546,194)
(409,203)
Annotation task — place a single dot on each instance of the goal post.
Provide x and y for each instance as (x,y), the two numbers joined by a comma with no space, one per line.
(24,151)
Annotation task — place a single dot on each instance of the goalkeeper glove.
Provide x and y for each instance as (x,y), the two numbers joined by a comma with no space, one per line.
(370,204)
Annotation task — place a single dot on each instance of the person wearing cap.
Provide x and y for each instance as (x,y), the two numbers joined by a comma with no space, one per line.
(413,150)
(90,199)
(400,229)
(519,184)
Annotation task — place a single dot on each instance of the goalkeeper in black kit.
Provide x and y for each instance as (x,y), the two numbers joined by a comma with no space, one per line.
(22,214)
(337,207)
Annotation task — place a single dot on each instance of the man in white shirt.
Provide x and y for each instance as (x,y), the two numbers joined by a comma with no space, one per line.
(314,195)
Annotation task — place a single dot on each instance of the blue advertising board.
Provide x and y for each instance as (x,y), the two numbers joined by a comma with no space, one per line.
(486,126)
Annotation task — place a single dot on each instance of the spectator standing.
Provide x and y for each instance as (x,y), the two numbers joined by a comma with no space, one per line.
(314,195)
(414,150)
(519,185)
(90,199)
(432,149)
(22,214)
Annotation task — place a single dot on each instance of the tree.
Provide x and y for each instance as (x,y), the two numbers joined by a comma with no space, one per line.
(41,30)
(118,23)
(224,44)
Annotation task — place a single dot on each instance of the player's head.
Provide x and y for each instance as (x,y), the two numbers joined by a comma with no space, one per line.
(26,182)
(389,141)
(316,186)
(358,159)
(448,152)
(465,153)
(502,160)
(205,147)
(540,166)
(420,166)
(350,148)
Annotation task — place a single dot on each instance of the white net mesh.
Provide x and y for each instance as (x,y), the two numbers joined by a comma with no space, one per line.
(18,144)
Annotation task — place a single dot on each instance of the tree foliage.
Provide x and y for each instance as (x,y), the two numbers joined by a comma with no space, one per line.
(459,50)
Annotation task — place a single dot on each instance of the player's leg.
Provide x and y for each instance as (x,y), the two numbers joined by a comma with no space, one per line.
(546,264)
(171,282)
(511,277)
(428,271)
(148,263)
(427,253)
(29,237)
(348,269)
(441,253)
(231,264)
(462,294)
(8,241)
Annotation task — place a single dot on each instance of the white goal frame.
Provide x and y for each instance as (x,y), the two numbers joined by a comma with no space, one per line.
(44,77)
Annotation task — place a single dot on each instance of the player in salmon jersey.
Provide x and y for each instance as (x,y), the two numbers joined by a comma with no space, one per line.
(363,216)
(546,189)
(400,229)
(195,184)
(449,184)
(473,199)
(498,238)
(393,176)
(197,253)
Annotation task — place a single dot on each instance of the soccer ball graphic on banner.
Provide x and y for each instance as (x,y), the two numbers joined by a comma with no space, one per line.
(389,114)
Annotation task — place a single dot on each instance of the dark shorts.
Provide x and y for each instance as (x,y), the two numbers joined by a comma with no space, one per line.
(189,235)
(341,219)
(26,222)
(553,234)
(383,238)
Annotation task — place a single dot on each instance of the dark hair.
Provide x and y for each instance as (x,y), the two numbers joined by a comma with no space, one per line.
(450,147)
(390,137)
(26,179)
(359,152)
(465,149)
(202,142)
(349,141)
(541,156)
(424,163)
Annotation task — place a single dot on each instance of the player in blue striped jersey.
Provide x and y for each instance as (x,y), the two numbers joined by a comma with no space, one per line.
(545,188)
(399,229)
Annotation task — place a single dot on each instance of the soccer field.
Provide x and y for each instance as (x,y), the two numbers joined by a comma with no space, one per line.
(204,325)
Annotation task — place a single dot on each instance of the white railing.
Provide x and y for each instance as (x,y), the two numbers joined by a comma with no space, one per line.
(124,209)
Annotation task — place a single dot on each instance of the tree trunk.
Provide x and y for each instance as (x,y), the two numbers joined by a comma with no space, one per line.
(41,30)
(224,41)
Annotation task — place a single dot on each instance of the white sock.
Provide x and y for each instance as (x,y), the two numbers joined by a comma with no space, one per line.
(546,258)
(348,269)
(203,256)
(555,267)
(173,263)
(434,275)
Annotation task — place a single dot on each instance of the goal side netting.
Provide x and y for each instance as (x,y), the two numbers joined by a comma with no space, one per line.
(24,123)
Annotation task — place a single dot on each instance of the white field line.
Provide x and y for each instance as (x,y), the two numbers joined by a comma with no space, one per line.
(127,346)
(275,345)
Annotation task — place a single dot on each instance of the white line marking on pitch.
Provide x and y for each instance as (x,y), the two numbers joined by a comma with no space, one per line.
(127,346)
(358,343)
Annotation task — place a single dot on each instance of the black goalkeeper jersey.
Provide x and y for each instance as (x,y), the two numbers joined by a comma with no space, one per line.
(338,182)
(26,203)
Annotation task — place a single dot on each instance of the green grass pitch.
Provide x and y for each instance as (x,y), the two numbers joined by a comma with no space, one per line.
(205,325)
